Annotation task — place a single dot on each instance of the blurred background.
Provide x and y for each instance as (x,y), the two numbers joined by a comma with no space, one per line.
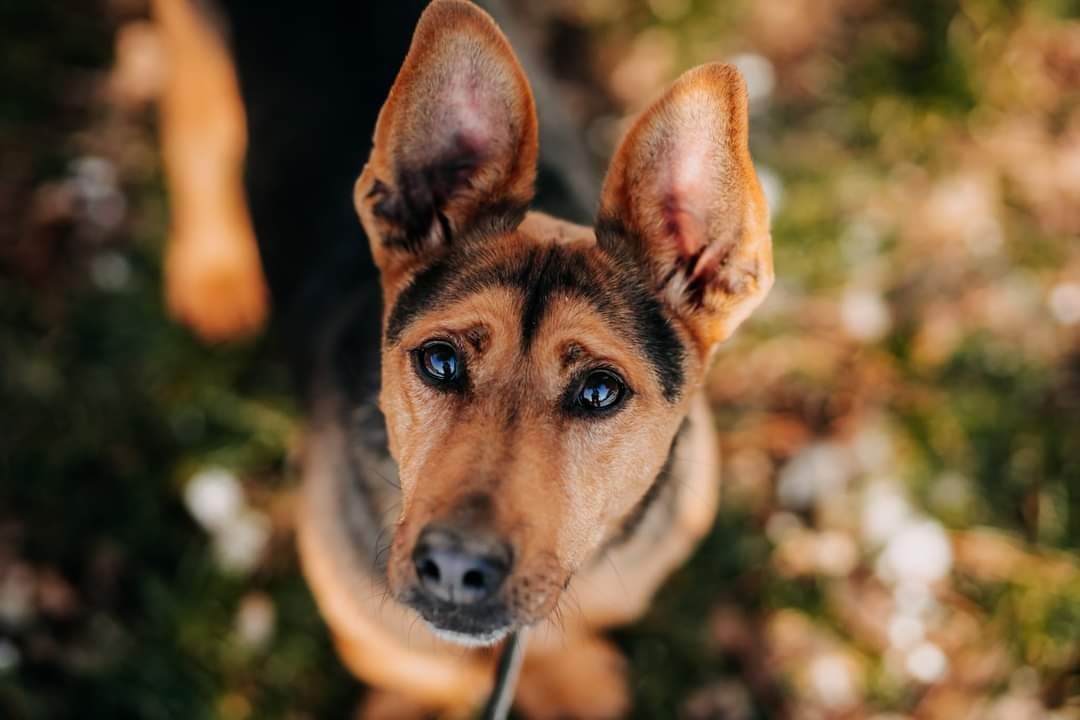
(900,421)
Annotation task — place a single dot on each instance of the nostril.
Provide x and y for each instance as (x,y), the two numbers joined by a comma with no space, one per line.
(428,569)
(459,569)
(474,580)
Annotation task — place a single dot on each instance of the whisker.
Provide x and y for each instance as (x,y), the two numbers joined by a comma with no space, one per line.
(618,573)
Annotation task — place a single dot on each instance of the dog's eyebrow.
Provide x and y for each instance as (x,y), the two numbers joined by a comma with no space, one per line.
(539,274)
(546,272)
(429,286)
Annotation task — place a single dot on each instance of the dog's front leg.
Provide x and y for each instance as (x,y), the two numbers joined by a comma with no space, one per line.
(213,277)
(583,678)
(389,705)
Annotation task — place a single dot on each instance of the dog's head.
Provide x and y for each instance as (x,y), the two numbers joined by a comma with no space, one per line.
(535,372)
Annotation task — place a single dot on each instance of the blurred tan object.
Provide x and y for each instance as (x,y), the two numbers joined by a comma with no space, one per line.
(213,280)
(989,555)
(138,73)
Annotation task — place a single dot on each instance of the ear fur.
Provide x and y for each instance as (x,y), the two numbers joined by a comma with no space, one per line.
(682,196)
(455,141)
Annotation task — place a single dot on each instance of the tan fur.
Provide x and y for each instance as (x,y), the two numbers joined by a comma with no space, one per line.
(383,644)
(683,187)
(584,678)
(213,279)
(379,640)
(541,473)
(680,176)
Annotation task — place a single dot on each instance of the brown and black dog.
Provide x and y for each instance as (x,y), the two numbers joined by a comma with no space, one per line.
(513,422)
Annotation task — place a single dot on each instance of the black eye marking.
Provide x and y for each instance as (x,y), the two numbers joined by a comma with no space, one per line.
(440,365)
(596,393)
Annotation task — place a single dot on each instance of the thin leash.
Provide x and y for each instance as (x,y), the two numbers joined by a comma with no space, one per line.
(506,677)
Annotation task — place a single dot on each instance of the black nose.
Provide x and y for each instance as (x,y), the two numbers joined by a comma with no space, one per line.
(459,568)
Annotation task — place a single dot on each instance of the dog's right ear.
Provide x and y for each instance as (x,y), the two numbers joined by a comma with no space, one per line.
(683,200)
(455,143)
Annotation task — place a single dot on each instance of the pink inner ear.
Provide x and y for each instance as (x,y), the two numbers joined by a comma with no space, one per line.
(689,232)
(682,227)
(473,118)
(685,205)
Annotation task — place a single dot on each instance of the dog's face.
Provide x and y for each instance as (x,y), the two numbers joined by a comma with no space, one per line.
(535,372)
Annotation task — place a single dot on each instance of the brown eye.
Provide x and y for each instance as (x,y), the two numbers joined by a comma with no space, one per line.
(438,362)
(602,390)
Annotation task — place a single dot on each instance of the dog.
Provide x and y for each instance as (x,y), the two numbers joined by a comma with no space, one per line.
(507,428)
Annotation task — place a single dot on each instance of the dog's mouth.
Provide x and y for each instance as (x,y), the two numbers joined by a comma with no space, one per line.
(477,625)
(470,640)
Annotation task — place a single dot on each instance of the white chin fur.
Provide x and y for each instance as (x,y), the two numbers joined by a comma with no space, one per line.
(467,640)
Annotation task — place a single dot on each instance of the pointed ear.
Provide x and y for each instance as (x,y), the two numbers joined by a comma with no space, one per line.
(455,142)
(682,198)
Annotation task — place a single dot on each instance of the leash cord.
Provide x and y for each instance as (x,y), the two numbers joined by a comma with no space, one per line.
(506,677)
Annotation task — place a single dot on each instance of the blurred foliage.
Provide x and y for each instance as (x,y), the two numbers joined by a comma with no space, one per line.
(902,452)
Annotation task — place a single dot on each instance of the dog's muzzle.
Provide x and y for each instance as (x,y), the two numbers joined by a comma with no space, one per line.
(458,578)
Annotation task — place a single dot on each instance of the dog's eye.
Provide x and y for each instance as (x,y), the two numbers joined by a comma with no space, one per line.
(602,390)
(439,362)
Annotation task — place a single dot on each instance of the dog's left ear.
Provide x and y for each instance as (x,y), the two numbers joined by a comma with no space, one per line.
(455,142)
(682,198)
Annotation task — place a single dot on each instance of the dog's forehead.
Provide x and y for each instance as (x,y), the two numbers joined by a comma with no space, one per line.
(543,260)
(541,228)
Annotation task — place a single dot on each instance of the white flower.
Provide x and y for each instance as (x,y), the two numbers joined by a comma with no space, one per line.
(927,663)
(865,315)
(919,552)
(832,680)
(758,73)
(905,630)
(214,498)
(913,597)
(1064,301)
(255,620)
(110,271)
(239,544)
(94,180)
(884,512)
(814,472)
